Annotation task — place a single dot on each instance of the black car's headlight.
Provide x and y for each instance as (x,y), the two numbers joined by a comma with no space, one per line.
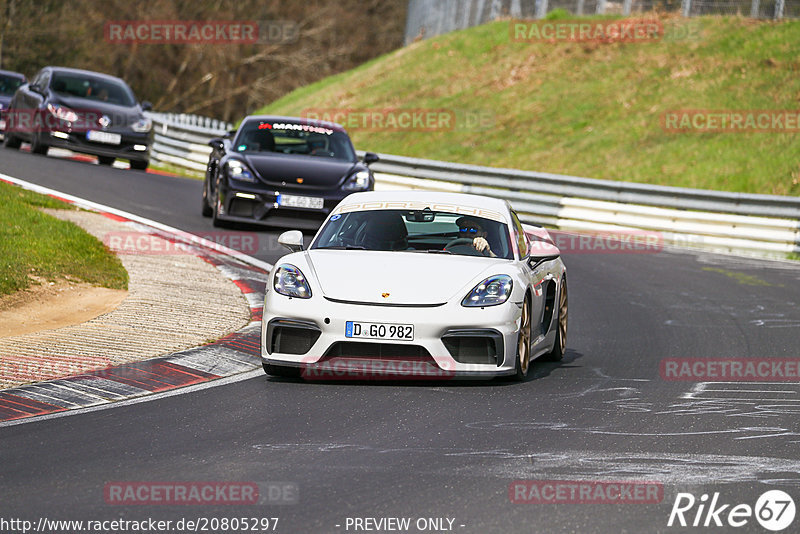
(358,181)
(238,171)
(492,291)
(290,281)
(142,125)
(63,113)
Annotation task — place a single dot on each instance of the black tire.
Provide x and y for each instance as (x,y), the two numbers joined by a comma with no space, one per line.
(140,164)
(206,210)
(280,370)
(216,222)
(560,344)
(9,141)
(106,160)
(523,359)
(37,145)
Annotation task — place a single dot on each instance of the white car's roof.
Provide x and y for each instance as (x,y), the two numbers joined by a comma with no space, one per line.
(479,206)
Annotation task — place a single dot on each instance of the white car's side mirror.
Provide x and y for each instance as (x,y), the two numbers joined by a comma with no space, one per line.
(292,239)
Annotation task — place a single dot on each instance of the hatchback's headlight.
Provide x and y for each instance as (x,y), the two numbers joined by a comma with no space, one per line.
(63,113)
(142,125)
(239,171)
(492,291)
(290,281)
(357,182)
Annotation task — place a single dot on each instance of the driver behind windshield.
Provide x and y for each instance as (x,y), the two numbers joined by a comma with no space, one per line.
(469,228)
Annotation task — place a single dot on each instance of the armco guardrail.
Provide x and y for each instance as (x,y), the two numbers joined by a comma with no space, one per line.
(182,140)
(733,222)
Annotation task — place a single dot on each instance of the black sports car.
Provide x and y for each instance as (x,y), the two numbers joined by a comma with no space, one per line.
(9,83)
(282,171)
(83,111)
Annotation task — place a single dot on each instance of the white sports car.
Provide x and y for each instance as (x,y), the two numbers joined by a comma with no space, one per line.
(415,284)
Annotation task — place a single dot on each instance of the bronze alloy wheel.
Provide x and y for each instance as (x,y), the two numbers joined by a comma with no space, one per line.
(524,341)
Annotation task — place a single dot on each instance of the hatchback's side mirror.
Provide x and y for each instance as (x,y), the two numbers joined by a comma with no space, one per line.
(370,157)
(146,106)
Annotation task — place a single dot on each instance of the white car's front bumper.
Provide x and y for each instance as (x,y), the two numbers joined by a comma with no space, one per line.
(448,341)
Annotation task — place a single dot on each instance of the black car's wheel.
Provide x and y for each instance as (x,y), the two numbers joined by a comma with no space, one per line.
(139,164)
(560,344)
(280,370)
(215,220)
(106,160)
(524,341)
(9,141)
(37,145)
(206,209)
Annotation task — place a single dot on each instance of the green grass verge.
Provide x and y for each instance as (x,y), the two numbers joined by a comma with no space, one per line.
(587,109)
(33,243)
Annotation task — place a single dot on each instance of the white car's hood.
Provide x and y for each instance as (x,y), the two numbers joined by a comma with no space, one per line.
(407,277)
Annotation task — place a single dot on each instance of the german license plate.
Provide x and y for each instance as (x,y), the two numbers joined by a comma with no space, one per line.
(294,201)
(2,125)
(104,137)
(355,329)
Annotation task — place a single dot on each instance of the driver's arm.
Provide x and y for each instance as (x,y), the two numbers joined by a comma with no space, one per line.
(481,244)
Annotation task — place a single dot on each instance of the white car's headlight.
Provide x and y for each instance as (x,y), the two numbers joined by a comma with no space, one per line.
(357,182)
(238,171)
(290,281)
(142,125)
(63,113)
(492,291)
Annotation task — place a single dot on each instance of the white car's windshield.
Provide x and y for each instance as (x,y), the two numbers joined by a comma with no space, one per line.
(416,231)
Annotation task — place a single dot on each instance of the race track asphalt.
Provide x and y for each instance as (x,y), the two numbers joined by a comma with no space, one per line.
(450,449)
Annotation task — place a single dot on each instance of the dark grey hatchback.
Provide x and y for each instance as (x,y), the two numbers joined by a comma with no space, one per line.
(83,111)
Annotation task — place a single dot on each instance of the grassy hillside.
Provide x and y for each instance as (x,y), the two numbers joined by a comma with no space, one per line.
(587,109)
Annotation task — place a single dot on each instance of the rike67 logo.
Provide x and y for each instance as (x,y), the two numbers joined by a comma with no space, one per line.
(774,510)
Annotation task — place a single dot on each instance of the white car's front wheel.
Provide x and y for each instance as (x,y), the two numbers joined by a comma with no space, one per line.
(524,341)
(560,344)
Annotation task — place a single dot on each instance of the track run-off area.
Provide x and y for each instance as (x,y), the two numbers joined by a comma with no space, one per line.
(605,441)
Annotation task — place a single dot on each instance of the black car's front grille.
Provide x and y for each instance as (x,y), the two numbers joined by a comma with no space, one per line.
(475,346)
(241,207)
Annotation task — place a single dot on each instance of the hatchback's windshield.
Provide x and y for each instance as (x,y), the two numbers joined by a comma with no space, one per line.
(9,84)
(416,231)
(90,88)
(294,138)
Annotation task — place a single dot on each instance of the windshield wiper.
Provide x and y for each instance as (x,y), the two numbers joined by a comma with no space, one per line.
(437,251)
(345,247)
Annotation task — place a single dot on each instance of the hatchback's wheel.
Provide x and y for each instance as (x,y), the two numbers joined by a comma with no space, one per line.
(524,341)
(139,164)
(9,141)
(37,145)
(206,210)
(106,160)
(560,344)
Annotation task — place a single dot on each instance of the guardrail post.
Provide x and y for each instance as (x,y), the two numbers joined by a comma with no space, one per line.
(579,9)
(686,8)
(601,7)
(626,7)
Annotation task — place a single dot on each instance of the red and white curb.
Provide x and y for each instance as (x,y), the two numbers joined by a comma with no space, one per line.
(234,354)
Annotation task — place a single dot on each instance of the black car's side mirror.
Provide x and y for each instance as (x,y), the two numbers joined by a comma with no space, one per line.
(216,144)
(146,106)
(230,134)
(370,157)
